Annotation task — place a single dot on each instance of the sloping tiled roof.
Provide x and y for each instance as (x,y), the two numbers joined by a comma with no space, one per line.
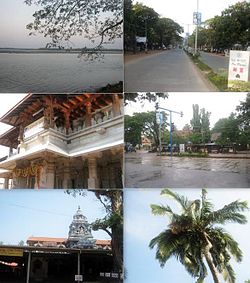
(46,239)
(103,242)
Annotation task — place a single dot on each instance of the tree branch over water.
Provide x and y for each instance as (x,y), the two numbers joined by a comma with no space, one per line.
(98,21)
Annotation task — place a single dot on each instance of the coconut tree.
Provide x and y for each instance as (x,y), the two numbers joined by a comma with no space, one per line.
(195,236)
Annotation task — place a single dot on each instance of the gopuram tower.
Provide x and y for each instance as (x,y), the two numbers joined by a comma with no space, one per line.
(80,232)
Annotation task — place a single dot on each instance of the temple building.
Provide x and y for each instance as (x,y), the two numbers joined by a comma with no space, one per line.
(64,141)
(79,258)
(79,236)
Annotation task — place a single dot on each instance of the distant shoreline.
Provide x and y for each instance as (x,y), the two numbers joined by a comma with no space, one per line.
(53,51)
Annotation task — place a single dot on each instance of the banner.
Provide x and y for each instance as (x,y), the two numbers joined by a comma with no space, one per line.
(11,252)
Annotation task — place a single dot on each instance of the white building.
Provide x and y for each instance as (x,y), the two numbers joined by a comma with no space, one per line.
(64,141)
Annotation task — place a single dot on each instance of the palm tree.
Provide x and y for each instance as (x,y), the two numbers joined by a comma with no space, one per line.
(193,235)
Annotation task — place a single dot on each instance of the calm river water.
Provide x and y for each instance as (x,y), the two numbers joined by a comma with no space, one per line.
(46,73)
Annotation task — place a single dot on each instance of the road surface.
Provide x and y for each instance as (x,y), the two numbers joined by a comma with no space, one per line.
(171,70)
(146,170)
(218,63)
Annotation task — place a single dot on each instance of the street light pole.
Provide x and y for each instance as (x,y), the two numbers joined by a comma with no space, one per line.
(171,135)
(146,35)
(196,33)
(171,132)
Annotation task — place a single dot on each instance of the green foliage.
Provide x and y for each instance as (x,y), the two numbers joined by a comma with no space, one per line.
(62,20)
(133,128)
(141,20)
(193,154)
(236,128)
(218,80)
(224,31)
(201,125)
(193,235)
(143,123)
(244,114)
(144,96)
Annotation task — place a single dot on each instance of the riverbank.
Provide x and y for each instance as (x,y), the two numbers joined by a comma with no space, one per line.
(55,51)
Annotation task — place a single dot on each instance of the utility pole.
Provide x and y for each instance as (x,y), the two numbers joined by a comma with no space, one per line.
(146,35)
(197,25)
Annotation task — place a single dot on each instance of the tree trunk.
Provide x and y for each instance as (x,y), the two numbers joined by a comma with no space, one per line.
(209,260)
(117,231)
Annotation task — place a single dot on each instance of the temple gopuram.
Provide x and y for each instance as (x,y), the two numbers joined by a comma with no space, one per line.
(64,141)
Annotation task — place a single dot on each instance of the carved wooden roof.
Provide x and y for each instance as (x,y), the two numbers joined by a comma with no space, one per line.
(29,109)
(10,138)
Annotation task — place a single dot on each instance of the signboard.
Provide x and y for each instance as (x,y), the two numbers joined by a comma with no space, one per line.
(196,18)
(114,275)
(141,39)
(78,278)
(239,66)
(107,274)
(159,117)
(11,252)
(182,148)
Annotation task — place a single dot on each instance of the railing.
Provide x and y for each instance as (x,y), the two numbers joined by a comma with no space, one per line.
(98,117)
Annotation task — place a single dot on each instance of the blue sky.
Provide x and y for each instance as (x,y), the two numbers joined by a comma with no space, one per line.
(141,226)
(15,15)
(45,213)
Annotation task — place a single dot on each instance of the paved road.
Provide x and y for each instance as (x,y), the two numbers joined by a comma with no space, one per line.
(218,63)
(146,170)
(171,70)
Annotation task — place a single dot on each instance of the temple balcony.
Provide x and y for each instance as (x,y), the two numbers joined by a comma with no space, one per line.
(105,131)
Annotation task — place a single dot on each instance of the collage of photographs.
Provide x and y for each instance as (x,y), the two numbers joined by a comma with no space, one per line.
(124,141)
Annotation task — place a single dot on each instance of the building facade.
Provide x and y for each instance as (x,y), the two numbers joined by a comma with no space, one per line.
(64,141)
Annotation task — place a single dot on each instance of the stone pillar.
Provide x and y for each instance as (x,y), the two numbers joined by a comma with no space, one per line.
(88,122)
(116,107)
(50,176)
(93,182)
(66,175)
(6,183)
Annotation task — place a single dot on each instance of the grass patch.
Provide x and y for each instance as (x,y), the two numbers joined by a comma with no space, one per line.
(239,86)
(220,81)
(185,154)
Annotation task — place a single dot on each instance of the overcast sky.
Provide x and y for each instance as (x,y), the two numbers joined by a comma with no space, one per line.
(15,15)
(181,11)
(44,213)
(220,104)
(141,226)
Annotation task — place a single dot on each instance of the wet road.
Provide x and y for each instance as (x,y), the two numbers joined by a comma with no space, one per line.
(171,70)
(146,170)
